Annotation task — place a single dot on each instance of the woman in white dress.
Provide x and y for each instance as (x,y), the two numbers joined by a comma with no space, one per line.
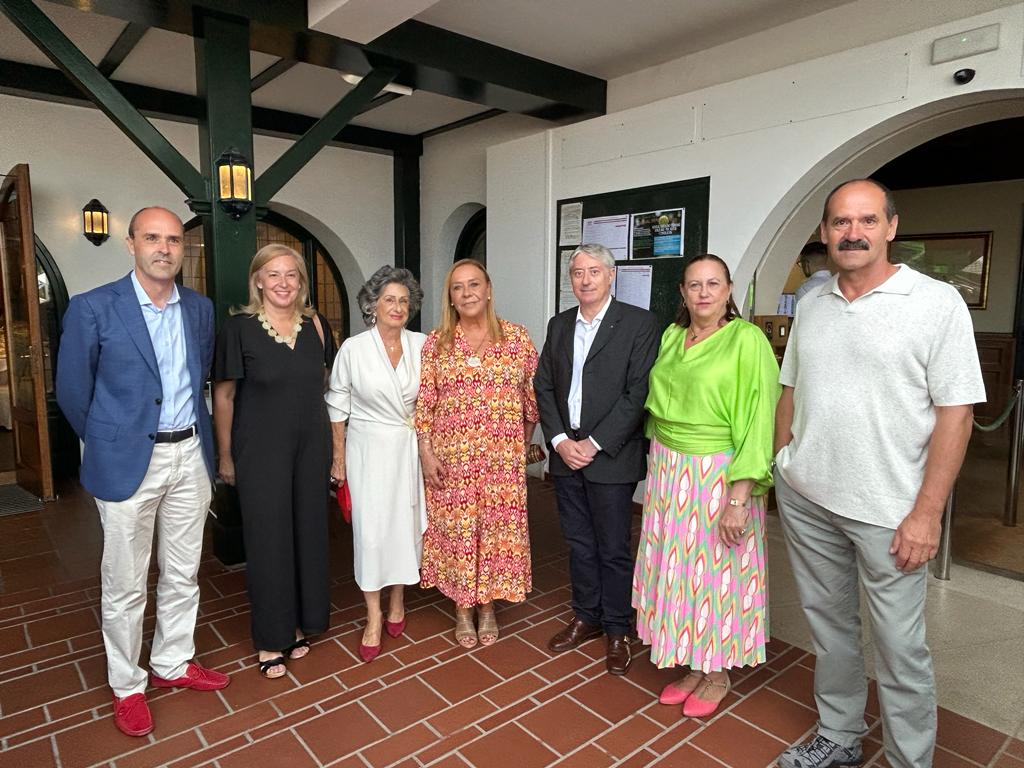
(371,401)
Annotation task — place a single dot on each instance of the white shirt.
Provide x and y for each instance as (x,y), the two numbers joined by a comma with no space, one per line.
(583,340)
(867,375)
(816,280)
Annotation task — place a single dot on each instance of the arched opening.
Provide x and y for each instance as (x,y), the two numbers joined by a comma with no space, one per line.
(327,288)
(473,239)
(944,207)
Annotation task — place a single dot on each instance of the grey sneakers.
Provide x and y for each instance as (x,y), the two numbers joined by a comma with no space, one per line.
(819,752)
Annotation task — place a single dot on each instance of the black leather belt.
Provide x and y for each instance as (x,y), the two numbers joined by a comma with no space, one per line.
(175,436)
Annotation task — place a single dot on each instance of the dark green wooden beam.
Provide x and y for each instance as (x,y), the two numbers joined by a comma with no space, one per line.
(316,138)
(429,58)
(73,63)
(48,84)
(126,41)
(272,72)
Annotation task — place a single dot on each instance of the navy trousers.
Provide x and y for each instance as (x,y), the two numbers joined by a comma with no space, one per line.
(596,521)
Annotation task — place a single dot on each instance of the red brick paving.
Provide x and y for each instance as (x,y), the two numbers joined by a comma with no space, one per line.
(423,702)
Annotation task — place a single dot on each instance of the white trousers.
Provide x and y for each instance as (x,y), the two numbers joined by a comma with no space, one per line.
(173,499)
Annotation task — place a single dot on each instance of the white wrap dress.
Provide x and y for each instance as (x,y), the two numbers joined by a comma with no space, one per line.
(382,462)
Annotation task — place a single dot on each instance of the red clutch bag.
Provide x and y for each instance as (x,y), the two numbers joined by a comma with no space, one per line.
(345,502)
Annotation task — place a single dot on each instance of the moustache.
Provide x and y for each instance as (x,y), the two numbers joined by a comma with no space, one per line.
(854,245)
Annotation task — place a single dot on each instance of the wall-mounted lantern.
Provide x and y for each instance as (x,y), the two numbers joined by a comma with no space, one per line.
(95,222)
(234,183)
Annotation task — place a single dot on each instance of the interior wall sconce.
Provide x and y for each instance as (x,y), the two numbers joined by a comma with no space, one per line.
(95,222)
(234,183)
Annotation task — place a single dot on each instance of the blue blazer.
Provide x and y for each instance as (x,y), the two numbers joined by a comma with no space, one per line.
(108,383)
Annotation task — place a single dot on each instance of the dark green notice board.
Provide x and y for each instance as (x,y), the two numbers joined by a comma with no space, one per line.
(691,194)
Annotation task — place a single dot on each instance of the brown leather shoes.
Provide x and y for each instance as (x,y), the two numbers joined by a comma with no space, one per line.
(575,634)
(620,656)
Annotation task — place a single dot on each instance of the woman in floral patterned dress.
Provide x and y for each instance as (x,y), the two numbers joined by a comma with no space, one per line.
(474,417)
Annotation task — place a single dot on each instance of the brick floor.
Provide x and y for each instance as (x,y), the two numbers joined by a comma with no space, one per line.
(424,701)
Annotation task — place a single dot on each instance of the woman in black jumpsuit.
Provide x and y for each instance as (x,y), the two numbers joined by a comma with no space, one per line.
(274,444)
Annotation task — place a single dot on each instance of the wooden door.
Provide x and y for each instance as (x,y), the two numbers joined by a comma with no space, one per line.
(24,336)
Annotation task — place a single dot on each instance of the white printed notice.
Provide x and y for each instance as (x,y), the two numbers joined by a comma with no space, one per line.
(566,298)
(610,231)
(633,284)
(571,227)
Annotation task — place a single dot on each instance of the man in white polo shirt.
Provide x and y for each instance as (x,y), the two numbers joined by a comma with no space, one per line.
(879,381)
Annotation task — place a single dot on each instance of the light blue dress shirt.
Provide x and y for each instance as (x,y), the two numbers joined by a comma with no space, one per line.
(167,332)
(583,340)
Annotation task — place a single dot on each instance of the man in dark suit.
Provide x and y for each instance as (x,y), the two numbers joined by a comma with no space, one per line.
(591,384)
(133,361)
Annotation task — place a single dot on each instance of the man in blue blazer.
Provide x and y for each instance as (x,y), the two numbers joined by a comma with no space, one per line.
(133,361)
(591,385)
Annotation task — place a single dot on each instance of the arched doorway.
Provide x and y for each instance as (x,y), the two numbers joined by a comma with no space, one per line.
(472,242)
(936,209)
(327,288)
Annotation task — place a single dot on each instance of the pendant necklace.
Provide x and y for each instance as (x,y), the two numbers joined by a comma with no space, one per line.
(269,328)
(473,361)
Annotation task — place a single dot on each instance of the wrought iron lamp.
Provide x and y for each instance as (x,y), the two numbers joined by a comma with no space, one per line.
(234,183)
(95,222)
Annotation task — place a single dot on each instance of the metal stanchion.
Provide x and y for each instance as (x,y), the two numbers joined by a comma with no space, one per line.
(944,557)
(1013,472)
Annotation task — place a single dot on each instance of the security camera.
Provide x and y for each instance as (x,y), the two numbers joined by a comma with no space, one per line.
(963,76)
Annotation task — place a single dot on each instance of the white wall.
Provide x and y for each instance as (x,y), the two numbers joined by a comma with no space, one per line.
(772,144)
(454,186)
(998,208)
(846,26)
(343,196)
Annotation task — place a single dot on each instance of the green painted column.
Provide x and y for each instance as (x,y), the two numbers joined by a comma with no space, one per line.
(223,83)
(222,79)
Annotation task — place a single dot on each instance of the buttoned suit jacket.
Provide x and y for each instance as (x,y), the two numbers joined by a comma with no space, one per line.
(109,387)
(614,390)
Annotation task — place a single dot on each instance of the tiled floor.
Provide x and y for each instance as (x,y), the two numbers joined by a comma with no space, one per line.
(423,702)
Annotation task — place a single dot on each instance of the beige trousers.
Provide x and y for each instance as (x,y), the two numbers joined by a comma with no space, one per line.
(173,500)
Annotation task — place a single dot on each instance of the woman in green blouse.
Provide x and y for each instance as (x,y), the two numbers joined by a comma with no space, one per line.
(699,585)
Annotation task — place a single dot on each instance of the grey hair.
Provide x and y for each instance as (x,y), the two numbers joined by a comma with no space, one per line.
(596,251)
(379,280)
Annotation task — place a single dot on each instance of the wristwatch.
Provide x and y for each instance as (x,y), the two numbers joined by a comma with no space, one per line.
(737,503)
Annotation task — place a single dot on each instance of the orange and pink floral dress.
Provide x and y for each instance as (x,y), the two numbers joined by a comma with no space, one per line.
(477,544)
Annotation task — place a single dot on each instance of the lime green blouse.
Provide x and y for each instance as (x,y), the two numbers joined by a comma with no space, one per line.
(719,394)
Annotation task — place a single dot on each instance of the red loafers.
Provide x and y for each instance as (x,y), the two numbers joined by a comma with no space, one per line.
(132,716)
(196,677)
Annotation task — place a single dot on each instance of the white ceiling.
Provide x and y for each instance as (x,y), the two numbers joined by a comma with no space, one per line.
(610,38)
(605,38)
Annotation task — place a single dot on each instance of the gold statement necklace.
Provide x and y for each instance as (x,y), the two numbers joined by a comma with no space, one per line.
(269,328)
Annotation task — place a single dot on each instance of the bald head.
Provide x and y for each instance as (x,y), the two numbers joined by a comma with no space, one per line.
(134,220)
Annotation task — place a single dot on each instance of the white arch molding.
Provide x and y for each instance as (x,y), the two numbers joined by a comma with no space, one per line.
(339,252)
(433,270)
(773,249)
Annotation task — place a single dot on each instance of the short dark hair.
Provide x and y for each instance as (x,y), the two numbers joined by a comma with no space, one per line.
(890,201)
(814,248)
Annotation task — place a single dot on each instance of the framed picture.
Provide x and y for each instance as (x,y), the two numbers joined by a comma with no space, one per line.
(958,258)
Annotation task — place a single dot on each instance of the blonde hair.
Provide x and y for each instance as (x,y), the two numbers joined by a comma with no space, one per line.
(450,317)
(263,256)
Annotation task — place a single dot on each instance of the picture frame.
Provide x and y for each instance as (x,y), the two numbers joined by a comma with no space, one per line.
(961,259)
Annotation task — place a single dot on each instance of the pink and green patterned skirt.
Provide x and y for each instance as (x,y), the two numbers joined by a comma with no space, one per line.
(699,603)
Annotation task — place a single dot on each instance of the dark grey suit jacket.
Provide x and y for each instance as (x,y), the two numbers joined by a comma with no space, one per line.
(614,390)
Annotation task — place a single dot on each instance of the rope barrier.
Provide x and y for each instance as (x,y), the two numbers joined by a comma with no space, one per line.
(1002,417)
